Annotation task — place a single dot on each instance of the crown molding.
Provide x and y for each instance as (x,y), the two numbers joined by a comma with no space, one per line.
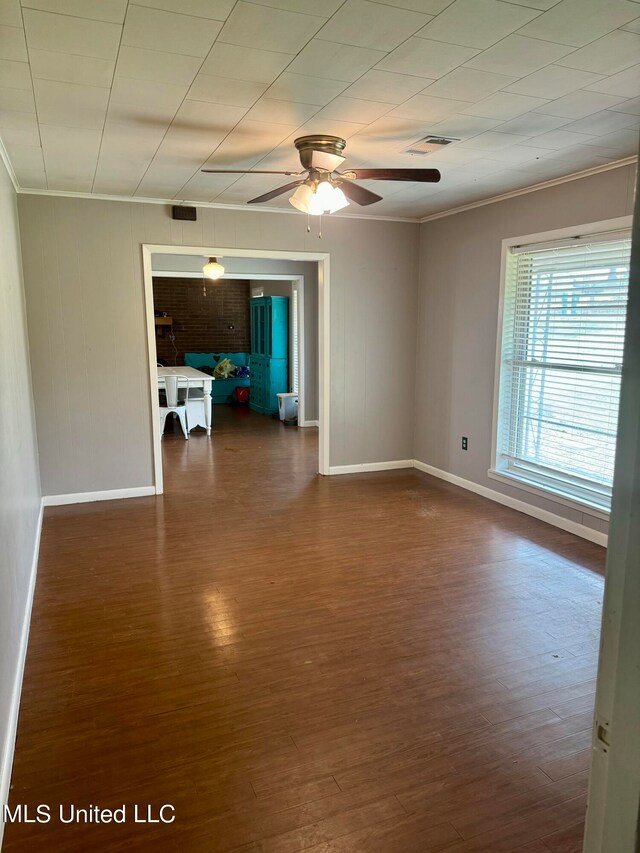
(209,204)
(574,176)
(4,156)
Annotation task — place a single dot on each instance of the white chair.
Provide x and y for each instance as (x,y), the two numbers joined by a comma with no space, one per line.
(175,402)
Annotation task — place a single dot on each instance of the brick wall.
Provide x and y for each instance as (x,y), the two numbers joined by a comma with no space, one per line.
(201,323)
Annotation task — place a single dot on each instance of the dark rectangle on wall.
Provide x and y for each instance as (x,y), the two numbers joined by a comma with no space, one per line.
(201,322)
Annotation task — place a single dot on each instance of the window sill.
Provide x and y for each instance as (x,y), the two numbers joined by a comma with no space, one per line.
(549,494)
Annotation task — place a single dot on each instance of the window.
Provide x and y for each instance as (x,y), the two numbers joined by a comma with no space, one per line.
(560,365)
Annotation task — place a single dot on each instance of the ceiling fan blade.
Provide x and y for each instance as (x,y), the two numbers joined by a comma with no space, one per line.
(419,175)
(247,172)
(273,193)
(360,195)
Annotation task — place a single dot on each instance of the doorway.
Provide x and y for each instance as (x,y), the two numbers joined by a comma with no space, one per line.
(175,256)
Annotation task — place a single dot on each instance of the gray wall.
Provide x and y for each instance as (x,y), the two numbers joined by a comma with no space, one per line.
(83,279)
(458,312)
(19,481)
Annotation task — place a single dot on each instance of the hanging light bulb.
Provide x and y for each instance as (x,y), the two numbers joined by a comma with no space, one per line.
(213,269)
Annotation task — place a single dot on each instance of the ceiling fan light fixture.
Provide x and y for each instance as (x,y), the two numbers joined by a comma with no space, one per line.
(324,198)
(302,197)
(212,269)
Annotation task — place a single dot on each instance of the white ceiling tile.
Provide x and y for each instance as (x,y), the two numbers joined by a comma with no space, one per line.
(625,83)
(247,143)
(112,11)
(365,24)
(602,123)
(607,55)
(427,108)
(426,58)
(463,126)
(70,105)
(281,112)
(326,8)
(518,56)
(10,13)
(36,180)
(504,105)
(580,104)
(26,158)
(334,61)
(392,132)
(12,44)
(541,5)
(632,106)
(158,30)
(427,7)
(70,155)
(559,139)
(272,29)
(352,109)
(216,9)
(532,124)
(224,90)
(491,141)
(15,74)
(578,22)
(245,63)
(163,67)
(306,90)
(196,131)
(343,129)
(203,187)
(467,84)
(477,23)
(66,34)
(385,86)
(19,128)
(71,68)
(554,81)
(518,154)
(624,141)
(17,99)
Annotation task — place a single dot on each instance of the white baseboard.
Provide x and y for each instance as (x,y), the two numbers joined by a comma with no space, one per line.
(309,423)
(89,497)
(12,729)
(521,506)
(371,466)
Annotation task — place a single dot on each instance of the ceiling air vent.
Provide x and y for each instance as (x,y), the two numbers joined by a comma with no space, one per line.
(429,144)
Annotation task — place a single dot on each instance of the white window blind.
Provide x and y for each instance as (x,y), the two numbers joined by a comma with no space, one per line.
(562,345)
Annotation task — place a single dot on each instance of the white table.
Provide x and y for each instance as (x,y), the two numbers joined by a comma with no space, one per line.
(197,379)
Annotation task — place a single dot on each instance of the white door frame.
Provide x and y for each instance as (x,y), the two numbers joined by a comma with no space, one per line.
(324,337)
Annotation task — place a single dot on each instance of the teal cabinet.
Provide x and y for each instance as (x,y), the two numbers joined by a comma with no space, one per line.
(269,361)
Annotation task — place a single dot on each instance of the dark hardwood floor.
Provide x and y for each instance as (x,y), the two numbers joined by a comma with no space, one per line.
(379,662)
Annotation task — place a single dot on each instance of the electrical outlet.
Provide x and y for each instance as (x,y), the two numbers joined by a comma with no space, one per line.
(465,442)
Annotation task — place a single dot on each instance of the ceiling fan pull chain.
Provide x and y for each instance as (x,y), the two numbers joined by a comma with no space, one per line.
(308,223)
(320,227)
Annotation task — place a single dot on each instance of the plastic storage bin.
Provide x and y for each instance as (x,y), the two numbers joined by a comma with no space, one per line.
(288,406)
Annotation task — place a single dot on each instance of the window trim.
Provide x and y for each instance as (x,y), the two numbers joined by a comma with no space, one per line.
(498,469)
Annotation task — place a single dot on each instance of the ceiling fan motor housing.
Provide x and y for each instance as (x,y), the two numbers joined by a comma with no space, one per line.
(320,152)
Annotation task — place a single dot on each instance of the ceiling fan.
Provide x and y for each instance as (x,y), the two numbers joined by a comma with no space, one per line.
(322,189)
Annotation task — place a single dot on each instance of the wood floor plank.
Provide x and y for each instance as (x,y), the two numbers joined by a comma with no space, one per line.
(376,663)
